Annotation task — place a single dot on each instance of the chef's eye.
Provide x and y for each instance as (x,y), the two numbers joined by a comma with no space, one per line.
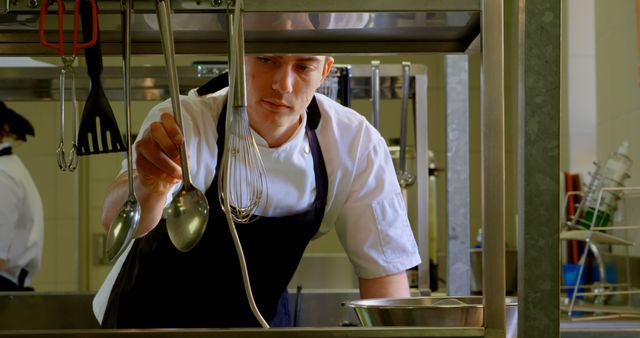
(265,59)
(305,68)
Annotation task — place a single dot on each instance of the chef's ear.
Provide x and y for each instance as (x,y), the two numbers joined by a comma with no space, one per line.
(328,62)
(4,129)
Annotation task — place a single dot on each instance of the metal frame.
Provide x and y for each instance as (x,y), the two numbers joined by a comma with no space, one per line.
(458,186)
(440,35)
(492,105)
(266,6)
(493,164)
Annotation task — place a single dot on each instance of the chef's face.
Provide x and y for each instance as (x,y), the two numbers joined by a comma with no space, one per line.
(283,84)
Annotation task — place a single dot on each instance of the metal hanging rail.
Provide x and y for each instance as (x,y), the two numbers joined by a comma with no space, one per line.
(336,27)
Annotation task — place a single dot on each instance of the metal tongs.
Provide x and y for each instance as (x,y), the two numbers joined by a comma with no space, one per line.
(71,162)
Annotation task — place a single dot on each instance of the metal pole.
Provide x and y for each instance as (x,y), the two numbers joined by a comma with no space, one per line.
(422,180)
(539,168)
(493,165)
(458,205)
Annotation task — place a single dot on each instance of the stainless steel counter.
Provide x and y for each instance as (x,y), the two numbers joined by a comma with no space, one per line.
(46,311)
(352,332)
(69,315)
(608,333)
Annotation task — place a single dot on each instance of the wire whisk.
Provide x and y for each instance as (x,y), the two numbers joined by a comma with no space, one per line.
(246,186)
(242,177)
(242,180)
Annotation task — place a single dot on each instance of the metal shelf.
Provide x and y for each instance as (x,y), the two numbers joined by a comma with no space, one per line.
(330,27)
(597,237)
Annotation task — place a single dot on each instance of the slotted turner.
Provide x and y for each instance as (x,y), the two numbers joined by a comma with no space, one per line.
(98,132)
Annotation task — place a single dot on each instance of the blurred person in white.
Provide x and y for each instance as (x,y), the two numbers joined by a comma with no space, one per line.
(327,168)
(21,214)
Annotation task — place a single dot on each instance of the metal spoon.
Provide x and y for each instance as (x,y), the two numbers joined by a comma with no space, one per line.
(375,94)
(188,213)
(405,178)
(124,225)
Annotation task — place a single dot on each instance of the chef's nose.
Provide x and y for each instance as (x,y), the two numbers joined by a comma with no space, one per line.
(283,80)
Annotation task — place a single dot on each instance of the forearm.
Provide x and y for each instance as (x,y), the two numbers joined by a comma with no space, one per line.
(151,203)
(391,286)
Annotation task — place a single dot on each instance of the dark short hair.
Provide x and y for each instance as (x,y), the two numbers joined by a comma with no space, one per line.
(18,125)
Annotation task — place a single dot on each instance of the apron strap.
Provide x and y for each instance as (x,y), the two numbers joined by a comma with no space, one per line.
(313,114)
(214,85)
(6,151)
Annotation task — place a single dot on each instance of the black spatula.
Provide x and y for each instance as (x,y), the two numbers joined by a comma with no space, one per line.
(98,132)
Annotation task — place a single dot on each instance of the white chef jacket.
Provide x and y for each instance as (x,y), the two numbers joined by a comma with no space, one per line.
(364,201)
(21,219)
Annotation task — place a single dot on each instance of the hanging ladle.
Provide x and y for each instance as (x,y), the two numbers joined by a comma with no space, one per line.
(188,212)
(405,178)
(124,225)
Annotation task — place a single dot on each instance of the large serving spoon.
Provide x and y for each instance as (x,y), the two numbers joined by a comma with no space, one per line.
(124,225)
(188,212)
(405,178)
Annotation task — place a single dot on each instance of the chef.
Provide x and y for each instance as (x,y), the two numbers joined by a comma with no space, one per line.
(327,168)
(21,213)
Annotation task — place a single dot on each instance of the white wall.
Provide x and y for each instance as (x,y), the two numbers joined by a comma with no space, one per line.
(581,94)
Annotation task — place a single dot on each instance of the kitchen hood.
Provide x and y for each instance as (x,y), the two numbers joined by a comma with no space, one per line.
(329,27)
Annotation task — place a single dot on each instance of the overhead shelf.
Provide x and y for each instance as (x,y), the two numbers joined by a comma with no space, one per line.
(328,27)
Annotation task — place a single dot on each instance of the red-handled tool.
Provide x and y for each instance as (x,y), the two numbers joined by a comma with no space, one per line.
(76,17)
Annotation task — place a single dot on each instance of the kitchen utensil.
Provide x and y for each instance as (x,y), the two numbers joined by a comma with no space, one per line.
(99,132)
(241,168)
(375,93)
(405,178)
(242,179)
(91,32)
(344,86)
(188,212)
(431,311)
(124,225)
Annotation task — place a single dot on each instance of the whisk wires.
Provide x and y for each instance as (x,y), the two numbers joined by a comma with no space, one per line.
(242,176)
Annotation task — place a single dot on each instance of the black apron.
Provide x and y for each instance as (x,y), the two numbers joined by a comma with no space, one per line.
(7,284)
(159,286)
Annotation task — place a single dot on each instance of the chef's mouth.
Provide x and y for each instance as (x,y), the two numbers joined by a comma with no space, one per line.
(276,104)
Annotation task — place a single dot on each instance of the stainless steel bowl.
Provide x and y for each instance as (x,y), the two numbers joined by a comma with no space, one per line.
(430,311)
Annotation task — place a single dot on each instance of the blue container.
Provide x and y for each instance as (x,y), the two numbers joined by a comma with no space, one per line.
(569,278)
(610,271)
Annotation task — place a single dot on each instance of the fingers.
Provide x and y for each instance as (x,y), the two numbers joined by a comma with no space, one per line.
(172,129)
(158,154)
(152,177)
